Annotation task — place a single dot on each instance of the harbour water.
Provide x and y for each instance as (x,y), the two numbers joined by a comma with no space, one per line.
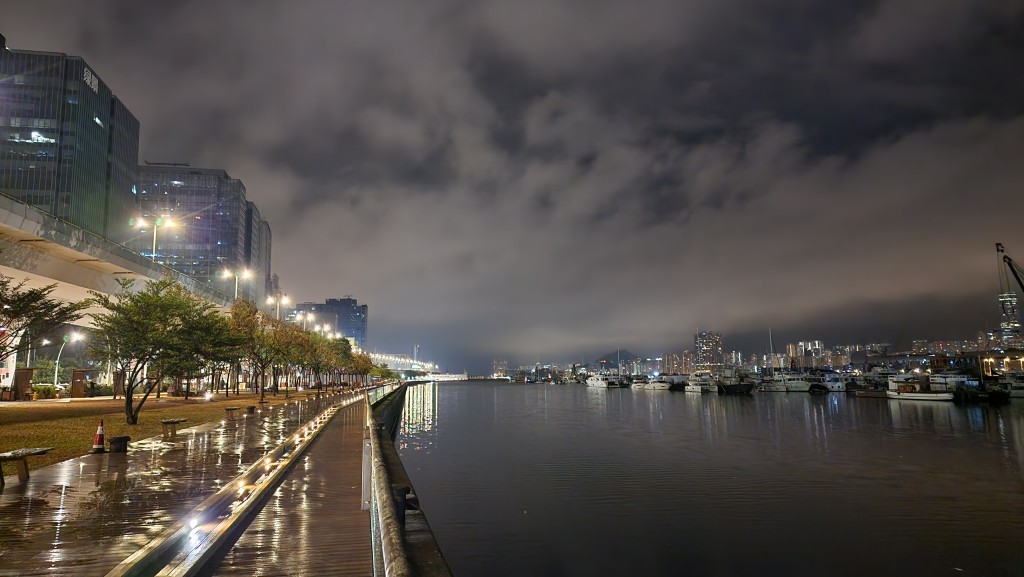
(566,480)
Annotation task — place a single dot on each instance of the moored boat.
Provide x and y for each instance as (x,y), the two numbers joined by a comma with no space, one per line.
(700,381)
(602,381)
(658,384)
(918,396)
(735,382)
(908,387)
(1013,383)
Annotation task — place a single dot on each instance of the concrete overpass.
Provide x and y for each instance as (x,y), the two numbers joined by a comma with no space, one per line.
(43,249)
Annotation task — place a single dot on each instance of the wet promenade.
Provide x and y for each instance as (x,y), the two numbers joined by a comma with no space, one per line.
(313,524)
(83,516)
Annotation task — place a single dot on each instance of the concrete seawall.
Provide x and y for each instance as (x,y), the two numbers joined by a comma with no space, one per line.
(408,525)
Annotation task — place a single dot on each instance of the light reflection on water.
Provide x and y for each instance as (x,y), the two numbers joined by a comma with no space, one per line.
(570,480)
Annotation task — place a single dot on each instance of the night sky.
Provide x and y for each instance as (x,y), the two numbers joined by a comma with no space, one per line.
(550,180)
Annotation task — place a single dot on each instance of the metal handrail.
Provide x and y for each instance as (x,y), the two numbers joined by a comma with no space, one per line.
(386,523)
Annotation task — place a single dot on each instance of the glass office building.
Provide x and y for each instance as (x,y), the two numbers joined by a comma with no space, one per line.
(344,316)
(68,146)
(198,221)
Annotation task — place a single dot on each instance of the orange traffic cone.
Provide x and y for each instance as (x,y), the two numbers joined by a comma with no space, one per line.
(97,443)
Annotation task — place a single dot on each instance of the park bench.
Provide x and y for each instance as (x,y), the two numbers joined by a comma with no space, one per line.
(171,426)
(231,412)
(19,457)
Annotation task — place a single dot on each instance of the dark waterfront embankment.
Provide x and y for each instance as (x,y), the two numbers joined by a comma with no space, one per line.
(568,480)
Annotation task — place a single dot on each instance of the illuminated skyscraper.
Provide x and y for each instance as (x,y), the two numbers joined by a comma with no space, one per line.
(708,349)
(68,146)
(208,227)
(344,316)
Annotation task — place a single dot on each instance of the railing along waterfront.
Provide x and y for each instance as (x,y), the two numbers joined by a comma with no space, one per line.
(389,557)
(403,543)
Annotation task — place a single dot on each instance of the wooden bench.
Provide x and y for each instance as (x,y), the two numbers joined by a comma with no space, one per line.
(171,426)
(231,412)
(21,464)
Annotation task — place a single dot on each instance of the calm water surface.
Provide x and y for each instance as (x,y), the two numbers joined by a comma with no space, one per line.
(565,480)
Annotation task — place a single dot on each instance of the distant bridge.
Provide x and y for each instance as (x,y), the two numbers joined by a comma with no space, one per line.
(401,362)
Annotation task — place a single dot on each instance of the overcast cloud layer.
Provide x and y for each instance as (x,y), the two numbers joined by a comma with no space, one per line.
(555,179)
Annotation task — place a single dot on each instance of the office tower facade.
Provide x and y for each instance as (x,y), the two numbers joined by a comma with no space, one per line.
(344,316)
(68,146)
(204,227)
(352,318)
(708,350)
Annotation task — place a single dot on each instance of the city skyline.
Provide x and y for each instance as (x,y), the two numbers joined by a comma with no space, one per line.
(514,182)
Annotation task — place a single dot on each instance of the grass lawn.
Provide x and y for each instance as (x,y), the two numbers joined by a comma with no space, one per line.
(70,426)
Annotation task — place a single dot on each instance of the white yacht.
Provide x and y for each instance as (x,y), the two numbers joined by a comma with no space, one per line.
(658,384)
(702,381)
(794,382)
(602,381)
(639,382)
(773,383)
(832,382)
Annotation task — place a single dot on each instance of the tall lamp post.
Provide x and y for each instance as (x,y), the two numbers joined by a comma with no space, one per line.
(28,357)
(56,366)
(244,273)
(157,223)
(278,300)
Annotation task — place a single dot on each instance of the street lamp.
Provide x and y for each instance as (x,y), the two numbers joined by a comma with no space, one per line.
(278,300)
(245,273)
(56,366)
(28,357)
(157,223)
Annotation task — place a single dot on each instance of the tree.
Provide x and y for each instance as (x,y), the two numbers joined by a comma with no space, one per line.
(32,310)
(260,343)
(208,342)
(382,372)
(361,365)
(145,333)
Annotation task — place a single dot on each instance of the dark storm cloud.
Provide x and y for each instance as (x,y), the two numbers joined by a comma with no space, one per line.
(555,178)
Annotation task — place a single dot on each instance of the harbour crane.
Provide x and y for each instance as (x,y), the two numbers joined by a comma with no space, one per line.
(1012,266)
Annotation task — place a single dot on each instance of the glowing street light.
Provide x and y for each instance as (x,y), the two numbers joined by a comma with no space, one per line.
(74,337)
(244,273)
(28,357)
(304,317)
(157,223)
(278,300)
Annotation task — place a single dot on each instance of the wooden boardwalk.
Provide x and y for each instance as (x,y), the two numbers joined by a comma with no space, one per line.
(313,524)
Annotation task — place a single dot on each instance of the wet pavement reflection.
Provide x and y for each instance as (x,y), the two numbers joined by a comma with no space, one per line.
(313,524)
(84,515)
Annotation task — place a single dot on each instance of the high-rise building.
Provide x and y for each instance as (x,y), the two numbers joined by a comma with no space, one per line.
(499,367)
(344,316)
(708,349)
(351,318)
(68,146)
(204,227)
